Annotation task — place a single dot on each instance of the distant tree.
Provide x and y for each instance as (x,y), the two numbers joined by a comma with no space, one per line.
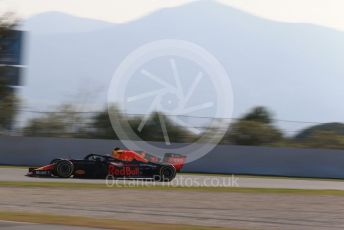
(259,114)
(66,122)
(254,128)
(152,131)
(101,126)
(253,133)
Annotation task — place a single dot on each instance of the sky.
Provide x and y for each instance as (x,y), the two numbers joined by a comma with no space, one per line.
(327,13)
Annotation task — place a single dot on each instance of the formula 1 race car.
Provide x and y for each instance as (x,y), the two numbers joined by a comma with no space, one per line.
(101,166)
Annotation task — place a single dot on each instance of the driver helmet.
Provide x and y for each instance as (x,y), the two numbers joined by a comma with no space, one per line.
(116,152)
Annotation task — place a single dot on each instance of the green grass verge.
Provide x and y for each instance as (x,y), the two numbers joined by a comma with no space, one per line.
(95,222)
(70,185)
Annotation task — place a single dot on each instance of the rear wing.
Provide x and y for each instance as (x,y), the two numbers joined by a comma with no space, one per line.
(177,160)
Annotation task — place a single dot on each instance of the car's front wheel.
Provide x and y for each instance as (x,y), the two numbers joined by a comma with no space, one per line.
(63,169)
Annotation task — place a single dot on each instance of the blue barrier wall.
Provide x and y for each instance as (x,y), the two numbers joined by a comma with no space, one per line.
(320,163)
(296,162)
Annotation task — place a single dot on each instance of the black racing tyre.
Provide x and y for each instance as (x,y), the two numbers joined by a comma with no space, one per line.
(55,161)
(167,173)
(63,169)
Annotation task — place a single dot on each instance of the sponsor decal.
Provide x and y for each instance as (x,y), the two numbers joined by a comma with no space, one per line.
(42,173)
(117,164)
(80,172)
(124,171)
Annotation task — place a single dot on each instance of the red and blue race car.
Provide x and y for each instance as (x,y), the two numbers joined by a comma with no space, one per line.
(94,166)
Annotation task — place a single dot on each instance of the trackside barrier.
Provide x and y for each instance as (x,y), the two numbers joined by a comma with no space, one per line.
(321,163)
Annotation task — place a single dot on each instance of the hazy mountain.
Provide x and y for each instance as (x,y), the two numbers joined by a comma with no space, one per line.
(57,22)
(295,69)
(337,128)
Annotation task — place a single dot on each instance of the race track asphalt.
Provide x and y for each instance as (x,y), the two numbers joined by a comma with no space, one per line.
(268,211)
(197,180)
(265,211)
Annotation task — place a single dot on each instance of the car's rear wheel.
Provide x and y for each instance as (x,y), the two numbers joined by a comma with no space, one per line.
(63,169)
(167,173)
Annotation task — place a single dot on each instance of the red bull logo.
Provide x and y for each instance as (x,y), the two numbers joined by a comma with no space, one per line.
(123,171)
